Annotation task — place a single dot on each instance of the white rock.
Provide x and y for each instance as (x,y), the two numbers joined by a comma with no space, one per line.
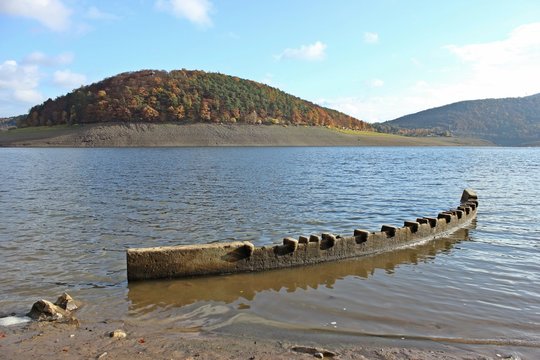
(118,334)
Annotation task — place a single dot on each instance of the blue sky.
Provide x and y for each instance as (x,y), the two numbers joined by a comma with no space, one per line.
(375,60)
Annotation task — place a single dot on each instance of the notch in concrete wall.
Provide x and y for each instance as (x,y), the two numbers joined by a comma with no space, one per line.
(360,236)
(465,208)
(412,225)
(445,216)
(328,241)
(291,243)
(389,230)
(432,222)
(239,253)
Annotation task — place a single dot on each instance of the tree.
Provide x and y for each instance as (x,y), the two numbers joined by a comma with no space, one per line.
(150,95)
(149,113)
(204,113)
(252,117)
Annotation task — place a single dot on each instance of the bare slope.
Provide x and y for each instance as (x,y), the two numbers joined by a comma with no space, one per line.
(201,134)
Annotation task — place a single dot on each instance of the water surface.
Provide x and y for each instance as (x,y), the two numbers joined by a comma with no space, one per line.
(69,214)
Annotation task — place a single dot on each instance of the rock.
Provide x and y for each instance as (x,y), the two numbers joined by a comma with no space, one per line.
(118,334)
(44,310)
(66,302)
(318,353)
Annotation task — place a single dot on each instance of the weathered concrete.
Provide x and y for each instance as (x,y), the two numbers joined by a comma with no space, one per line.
(243,256)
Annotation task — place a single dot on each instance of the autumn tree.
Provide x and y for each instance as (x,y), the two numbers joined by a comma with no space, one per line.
(150,95)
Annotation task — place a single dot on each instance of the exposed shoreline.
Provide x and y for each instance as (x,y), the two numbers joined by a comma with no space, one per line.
(202,134)
(91,340)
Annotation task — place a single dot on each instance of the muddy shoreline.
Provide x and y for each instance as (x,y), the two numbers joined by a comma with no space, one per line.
(92,340)
(57,332)
(202,134)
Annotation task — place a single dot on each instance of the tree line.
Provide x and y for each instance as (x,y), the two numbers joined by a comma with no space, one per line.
(184,96)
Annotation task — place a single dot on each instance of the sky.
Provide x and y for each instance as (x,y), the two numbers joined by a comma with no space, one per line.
(374,60)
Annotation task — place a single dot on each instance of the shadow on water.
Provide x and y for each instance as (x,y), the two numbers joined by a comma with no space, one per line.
(144,296)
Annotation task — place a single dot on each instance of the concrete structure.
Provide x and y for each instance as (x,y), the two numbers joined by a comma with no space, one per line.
(243,256)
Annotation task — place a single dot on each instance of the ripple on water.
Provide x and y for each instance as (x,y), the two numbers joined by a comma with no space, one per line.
(69,214)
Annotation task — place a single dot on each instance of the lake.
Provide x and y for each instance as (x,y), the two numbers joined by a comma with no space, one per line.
(67,216)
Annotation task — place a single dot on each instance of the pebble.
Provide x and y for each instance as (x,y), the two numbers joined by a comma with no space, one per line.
(319,355)
(118,334)
(102,355)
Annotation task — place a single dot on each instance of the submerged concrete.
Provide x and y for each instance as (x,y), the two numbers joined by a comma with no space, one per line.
(243,256)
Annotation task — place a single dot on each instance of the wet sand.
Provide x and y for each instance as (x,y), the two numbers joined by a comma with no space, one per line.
(91,340)
(200,134)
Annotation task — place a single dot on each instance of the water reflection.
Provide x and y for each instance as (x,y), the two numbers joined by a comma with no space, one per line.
(144,296)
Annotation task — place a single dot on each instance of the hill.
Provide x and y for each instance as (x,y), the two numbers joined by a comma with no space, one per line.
(509,121)
(10,122)
(178,96)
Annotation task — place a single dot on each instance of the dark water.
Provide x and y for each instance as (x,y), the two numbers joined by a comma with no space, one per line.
(67,215)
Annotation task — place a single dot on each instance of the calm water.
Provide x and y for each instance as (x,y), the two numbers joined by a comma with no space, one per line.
(67,216)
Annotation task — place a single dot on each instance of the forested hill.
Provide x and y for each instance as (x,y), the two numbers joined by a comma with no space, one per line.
(509,121)
(184,96)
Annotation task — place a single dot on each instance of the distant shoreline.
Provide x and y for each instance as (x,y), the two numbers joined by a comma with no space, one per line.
(204,134)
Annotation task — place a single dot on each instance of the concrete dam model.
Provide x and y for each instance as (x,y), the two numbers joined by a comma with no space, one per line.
(243,256)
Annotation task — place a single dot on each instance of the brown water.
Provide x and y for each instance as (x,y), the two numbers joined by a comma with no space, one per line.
(69,214)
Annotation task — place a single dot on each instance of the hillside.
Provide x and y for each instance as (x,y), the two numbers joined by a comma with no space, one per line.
(184,96)
(509,121)
(10,122)
(208,134)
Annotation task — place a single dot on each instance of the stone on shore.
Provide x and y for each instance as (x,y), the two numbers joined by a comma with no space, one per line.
(66,302)
(118,334)
(44,310)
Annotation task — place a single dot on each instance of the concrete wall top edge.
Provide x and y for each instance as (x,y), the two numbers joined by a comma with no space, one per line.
(200,259)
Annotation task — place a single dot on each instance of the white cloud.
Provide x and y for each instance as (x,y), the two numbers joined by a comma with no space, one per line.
(94,13)
(18,87)
(39,58)
(507,67)
(68,79)
(371,37)
(368,109)
(381,108)
(504,68)
(51,13)
(315,51)
(522,42)
(376,83)
(21,82)
(497,69)
(196,11)
(416,62)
